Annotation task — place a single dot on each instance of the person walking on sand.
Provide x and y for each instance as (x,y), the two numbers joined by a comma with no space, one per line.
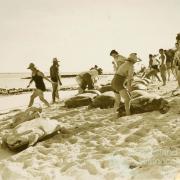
(37,77)
(118,59)
(163,68)
(54,75)
(125,71)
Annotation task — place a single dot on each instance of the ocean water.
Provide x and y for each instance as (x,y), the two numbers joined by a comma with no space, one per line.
(14,80)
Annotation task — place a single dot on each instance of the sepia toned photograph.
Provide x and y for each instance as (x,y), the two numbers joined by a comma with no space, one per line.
(90,90)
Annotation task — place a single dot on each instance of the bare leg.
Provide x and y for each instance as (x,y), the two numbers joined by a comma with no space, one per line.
(163,75)
(125,95)
(33,96)
(117,101)
(55,85)
(168,74)
(41,97)
(178,78)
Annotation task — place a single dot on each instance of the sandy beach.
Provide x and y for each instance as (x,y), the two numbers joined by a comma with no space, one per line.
(93,144)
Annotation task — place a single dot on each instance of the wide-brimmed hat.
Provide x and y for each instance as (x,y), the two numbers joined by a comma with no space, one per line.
(132,57)
(31,65)
(55,60)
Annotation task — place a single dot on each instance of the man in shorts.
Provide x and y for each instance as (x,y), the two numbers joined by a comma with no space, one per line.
(163,67)
(125,71)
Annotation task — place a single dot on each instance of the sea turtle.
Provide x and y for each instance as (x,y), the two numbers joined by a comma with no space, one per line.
(83,99)
(137,93)
(138,86)
(105,88)
(30,132)
(146,103)
(27,115)
(103,102)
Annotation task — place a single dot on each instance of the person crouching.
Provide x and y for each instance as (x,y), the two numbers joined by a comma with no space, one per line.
(87,80)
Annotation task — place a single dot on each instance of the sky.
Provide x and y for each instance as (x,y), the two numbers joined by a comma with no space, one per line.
(81,33)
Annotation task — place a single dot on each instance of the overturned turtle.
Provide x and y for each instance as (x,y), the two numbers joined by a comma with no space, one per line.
(29,133)
(138,86)
(83,99)
(146,103)
(103,101)
(27,115)
(105,88)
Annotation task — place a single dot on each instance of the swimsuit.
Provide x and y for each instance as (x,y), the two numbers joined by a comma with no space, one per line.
(118,83)
(39,83)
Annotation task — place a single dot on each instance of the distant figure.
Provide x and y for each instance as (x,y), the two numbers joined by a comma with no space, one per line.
(87,79)
(176,59)
(163,67)
(54,75)
(169,62)
(125,71)
(95,67)
(153,65)
(37,77)
(177,63)
(118,59)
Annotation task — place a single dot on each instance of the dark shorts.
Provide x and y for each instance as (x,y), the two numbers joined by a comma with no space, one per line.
(118,83)
(87,82)
(168,65)
(155,67)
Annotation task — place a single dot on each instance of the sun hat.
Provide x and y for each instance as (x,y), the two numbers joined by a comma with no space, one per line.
(31,65)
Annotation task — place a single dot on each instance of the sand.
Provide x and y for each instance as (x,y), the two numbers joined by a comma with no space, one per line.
(93,144)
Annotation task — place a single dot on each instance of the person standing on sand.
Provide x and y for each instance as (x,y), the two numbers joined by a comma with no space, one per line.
(177,64)
(153,65)
(163,68)
(176,58)
(54,75)
(118,59)
(125,71)
(37,77)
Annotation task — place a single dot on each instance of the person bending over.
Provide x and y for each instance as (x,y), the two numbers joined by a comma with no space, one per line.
(87,79)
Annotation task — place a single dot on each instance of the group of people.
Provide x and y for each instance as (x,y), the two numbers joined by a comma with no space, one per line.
(85,80)
(165,62)
(124,72)
(38,78)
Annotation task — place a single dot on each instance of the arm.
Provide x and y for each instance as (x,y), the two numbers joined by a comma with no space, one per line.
(30,83)
(42,75)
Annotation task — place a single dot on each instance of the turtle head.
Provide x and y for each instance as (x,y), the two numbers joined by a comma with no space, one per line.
(17,142)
